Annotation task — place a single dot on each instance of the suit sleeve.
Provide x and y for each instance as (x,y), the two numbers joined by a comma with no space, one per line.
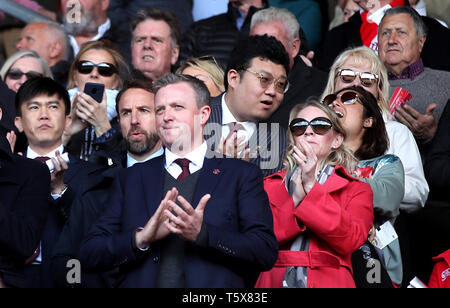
(255,242)
(107,246)
(343,226)
(22,223)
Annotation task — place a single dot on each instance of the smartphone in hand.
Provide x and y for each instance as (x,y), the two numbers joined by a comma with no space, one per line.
(95,90)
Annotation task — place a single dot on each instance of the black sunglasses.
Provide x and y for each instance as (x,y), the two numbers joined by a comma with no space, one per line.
(346,98)
(16,74)
(105,69)
(320,126)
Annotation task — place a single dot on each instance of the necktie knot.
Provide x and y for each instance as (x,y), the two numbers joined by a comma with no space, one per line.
(184,164)
(42,159)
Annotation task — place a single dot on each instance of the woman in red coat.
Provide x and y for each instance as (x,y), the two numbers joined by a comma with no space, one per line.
(321,214)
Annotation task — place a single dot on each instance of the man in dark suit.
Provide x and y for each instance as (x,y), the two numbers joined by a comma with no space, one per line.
(136,111)
(43,113)
(304,81)
(213,227)
(255,83)
(24,188)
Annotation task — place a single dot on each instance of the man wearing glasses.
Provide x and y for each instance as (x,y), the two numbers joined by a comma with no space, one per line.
(255,83)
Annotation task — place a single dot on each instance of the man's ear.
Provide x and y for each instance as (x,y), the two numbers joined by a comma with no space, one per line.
(56,50)
(296,44)
(68,122)
(1,113)
(175,54)
(234,78)
(422,42)
(18,123)
(205,112)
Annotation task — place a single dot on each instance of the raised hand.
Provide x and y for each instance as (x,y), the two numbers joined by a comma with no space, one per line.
(188,222)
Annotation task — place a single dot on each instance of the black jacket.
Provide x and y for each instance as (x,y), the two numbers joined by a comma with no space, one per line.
(304,82)
(7,103)
(216,36)
(437,162)
(24,206)
(434,54)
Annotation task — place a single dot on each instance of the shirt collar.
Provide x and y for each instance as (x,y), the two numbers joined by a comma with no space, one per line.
(196,157)
(228,117)
(131,161)
(378,15)
(32,154)
(411,72)
(102,29)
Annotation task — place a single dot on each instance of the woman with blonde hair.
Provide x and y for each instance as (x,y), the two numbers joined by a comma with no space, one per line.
(321,214)
(97,62)
(207,70)
(362,67)
(21,66)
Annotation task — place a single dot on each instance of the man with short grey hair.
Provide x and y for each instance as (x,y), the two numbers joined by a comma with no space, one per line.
(51,42)
(401,36)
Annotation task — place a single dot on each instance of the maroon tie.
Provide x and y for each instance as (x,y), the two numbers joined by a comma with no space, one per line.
(36,253)
(42,159)
(184,164)
(234,127)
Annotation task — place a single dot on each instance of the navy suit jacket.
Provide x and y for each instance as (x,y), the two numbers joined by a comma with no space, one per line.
(268,141)
(238,220)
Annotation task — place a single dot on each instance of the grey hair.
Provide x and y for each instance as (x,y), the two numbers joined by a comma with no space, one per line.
(61,34)
(283,16)
(420,26)
(25,54)
(202,95)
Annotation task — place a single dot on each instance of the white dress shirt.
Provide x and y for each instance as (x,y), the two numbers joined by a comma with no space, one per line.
(102,29)
(197,157)
(228,117)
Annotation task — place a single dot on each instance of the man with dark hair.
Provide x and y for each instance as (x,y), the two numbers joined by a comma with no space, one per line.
(24,188)
(156,40)
(43,113)
(305,81)
(140,143)
(212,229)
(255,82)
(217,35)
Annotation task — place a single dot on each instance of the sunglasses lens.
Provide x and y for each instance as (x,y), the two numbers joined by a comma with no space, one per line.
(347,76)
(15,74)
(31,75)
(85,67)
(329,99)
(106,69)
(349,98)
(320,127)
(298,127)
(368,79)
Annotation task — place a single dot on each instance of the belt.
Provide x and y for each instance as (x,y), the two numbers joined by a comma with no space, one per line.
(307,259)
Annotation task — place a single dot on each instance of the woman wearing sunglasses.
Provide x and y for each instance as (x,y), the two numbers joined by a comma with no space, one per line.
(362,67)
(22,66)
(97,62)
(321,213)
(363,122)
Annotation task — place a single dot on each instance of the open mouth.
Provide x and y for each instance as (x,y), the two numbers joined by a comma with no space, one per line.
(339,114)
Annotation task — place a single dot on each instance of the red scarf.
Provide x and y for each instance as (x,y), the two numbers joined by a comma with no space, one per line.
(369,30)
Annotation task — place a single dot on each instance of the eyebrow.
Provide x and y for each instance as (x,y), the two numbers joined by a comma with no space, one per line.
(43,103)
(269,73)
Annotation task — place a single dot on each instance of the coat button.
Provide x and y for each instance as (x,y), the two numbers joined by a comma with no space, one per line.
(156,259)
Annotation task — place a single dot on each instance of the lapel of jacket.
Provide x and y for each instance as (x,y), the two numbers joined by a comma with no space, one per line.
(151,176)
(209,178)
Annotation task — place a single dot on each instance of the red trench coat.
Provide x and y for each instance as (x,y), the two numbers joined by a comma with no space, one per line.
(339,214)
